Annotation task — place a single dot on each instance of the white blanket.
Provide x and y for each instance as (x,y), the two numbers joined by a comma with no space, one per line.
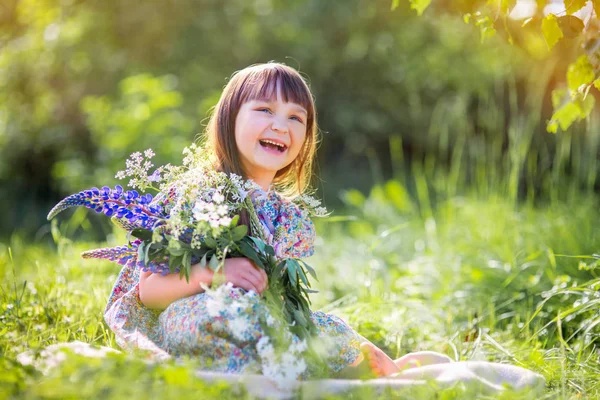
(480,376)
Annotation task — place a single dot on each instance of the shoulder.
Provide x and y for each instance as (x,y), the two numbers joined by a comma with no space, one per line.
(296,230)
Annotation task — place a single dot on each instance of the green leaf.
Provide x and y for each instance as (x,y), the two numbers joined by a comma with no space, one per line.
(279,269)
(142,234)
(203,260)
(486,27)
(398,195)
(213,264)
(292,274)
(566,115)
(303,276)
(299,270)
(141,253)
(300,319)
(552,126)
(586,105)
(572,6)
(156,236)
(310,269)
(174,262)
(146,250)
(239,232)
(597,83)
(210,242)
(270,250)
(260,245)
(175,251)
(551,30)
(186,264)
(570,26)
(395,4)
(419,5)
(580,73)
(251,253)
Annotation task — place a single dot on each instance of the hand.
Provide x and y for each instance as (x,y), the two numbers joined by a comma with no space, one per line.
(242,273)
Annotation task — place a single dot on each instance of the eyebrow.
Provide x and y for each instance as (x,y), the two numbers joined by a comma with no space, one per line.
(296,108)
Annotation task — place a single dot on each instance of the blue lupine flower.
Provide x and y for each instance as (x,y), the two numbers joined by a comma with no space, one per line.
(115,203)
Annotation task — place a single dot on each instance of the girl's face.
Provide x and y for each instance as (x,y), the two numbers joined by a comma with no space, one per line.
(269,135)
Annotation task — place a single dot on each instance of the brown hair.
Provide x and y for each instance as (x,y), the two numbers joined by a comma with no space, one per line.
(260,82)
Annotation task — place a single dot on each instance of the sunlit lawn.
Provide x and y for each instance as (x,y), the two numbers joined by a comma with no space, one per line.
(463,278)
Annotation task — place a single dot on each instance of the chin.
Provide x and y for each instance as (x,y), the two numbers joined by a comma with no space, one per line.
(270,165)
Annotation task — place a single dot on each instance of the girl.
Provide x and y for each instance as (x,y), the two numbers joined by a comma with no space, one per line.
(263,128)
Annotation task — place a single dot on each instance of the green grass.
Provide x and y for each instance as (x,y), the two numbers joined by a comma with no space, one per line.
(408,276)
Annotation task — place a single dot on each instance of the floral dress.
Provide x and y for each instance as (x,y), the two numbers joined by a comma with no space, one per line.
(192,326)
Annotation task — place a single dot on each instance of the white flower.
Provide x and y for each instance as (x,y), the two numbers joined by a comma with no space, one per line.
(239,327)
(265,348)
(226,221)
(218,198)
(222,210)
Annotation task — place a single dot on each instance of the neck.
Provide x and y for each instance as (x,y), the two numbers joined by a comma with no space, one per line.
(264,181)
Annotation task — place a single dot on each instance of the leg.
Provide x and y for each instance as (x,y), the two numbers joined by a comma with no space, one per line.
(381,364)
(421,358)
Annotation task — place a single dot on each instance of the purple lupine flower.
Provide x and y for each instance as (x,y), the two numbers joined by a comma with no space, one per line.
(124,255)
(115,203)
(128,255)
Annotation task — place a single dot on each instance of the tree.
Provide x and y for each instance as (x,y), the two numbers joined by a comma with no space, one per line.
(576,22)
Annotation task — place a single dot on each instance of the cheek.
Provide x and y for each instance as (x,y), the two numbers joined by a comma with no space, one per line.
(299,141)
(244,135)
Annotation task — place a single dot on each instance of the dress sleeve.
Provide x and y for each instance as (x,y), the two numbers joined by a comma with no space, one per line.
(296,232)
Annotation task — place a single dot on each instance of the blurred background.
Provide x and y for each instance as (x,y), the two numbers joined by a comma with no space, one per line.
(459,223)
(85,83)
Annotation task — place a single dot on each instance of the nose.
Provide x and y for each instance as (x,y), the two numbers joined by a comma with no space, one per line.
(279,125)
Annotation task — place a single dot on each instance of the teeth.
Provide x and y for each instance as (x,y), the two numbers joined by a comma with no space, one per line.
(274,143)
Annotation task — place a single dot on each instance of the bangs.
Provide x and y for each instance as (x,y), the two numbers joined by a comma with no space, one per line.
(262,85)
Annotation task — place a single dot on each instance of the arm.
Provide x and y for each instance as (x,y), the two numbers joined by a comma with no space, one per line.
(157,291)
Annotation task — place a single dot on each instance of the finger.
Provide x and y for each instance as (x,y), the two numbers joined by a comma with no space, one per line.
(265,279)
(247,285)
(257,276)
(256,280)
(264,274)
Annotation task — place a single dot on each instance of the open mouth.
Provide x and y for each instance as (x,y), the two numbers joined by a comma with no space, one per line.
(273,146)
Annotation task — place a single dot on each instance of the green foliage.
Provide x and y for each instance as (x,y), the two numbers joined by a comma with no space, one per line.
(419,5)
(486,15)
(93,96)
(576,103)
(551,29)
(405,280)
(580,73)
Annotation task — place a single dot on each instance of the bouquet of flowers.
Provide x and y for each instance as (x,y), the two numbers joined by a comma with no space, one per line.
(194,219)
